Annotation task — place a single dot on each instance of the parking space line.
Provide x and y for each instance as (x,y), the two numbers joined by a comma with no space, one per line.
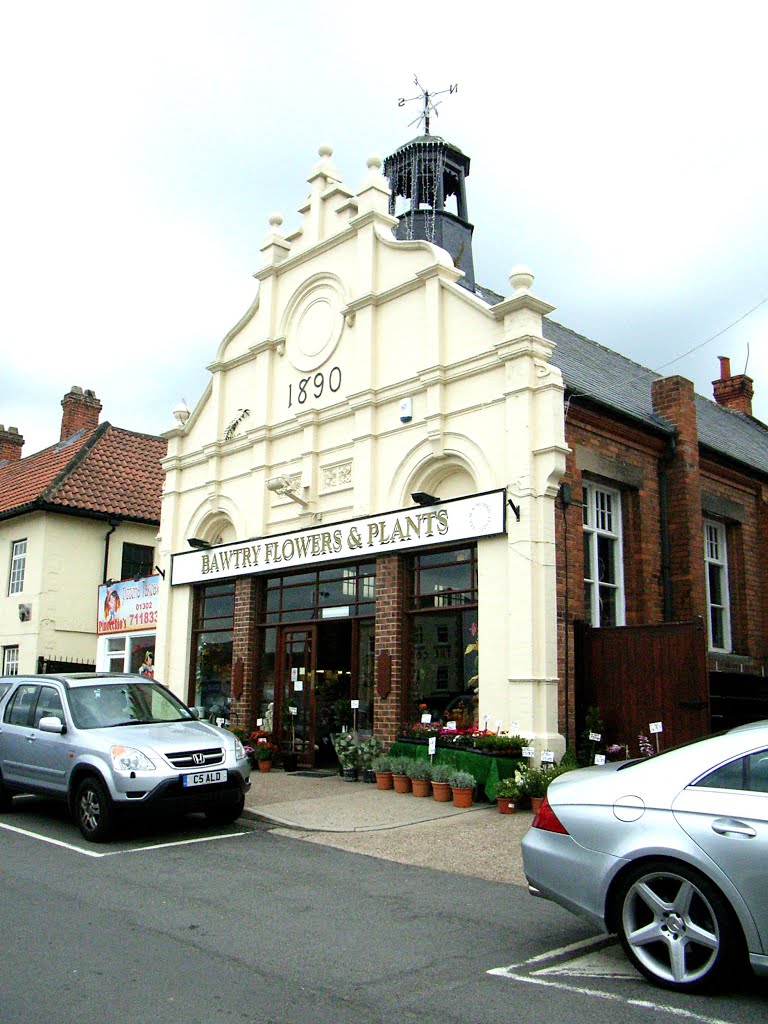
(180,842)
(53,842)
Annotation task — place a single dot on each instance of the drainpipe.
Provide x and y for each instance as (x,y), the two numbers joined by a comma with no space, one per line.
(113,525)
(666,581)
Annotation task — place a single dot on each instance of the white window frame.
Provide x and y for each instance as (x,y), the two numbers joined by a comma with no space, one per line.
(11,661)
(18,566)
(602,520)
(716,559)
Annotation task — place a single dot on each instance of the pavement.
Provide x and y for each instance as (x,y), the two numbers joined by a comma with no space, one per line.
(323,808)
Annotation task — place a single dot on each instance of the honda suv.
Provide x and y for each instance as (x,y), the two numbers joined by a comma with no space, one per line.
(108,743)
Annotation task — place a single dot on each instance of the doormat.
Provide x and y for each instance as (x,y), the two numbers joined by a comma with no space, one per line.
(314,773)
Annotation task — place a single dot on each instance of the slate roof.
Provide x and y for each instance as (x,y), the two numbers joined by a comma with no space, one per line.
(107,472)
(593,371)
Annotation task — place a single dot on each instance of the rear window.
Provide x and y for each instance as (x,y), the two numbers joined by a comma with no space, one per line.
(748,773)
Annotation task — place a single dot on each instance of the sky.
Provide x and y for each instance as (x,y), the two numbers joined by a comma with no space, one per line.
(617,149)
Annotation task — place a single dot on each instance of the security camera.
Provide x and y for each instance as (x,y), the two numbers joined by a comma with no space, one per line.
(277,483)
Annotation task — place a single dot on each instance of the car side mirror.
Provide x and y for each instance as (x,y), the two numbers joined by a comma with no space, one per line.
(195,712)
(52,723)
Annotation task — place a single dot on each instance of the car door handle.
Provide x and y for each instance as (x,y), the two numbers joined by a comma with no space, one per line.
(732,827)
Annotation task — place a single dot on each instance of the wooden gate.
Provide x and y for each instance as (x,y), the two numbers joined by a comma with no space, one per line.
(636,675)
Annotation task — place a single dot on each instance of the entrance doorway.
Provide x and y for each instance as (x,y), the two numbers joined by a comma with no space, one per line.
(322,669)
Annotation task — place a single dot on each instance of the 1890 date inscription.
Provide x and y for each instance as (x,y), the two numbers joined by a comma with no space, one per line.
(313,386)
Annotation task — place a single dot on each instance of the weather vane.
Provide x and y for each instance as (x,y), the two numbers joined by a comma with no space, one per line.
(427,98)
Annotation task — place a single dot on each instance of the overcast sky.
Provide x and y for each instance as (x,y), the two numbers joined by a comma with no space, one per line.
(618,149)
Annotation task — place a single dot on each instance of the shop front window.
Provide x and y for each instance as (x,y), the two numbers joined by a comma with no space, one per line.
(212,650)
(444,639)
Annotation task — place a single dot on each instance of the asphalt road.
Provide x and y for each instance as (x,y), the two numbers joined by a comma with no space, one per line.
(243,924)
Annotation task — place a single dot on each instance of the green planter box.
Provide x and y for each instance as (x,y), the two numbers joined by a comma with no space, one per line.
(488,770)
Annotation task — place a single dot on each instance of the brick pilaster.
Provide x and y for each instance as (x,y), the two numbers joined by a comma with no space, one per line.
(674,399)
(244,648)
(390,639)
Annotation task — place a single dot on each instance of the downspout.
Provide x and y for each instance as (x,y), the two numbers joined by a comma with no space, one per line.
(113,525)
(666,579)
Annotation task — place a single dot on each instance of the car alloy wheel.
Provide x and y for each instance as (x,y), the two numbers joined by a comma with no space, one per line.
(675,926)
(93,808)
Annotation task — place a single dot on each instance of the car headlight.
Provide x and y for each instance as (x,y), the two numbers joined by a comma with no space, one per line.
(239,750)
(128,759)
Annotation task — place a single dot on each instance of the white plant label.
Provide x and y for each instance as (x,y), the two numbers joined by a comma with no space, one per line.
(599,758)
(656,727)
(298,685)
(354,704)
(529,751)
(294,674)
(426,718)
(547,756)
(432,745)
(294,710)
(259,722)
(498,727)
(451,726)
(596,736)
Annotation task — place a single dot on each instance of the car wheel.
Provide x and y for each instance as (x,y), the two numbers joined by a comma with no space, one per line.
(676,926)
(226,813)
(93,810)
(6,800)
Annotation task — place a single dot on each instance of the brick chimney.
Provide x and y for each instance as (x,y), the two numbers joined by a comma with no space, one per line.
(81,412)
(733,392)
(11,443)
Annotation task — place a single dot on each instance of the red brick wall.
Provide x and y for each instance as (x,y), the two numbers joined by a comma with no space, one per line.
(244,647)
(391,579)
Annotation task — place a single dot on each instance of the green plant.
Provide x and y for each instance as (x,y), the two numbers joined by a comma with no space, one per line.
(418,769)
(347,749)
(442,772)
(509,789)
(383,763)
(399,765)
(568,761)
(534,781)
(462,780)
(490,741)
(265,752)
(370,749)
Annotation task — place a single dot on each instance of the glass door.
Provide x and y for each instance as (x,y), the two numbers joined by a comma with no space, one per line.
(295,730)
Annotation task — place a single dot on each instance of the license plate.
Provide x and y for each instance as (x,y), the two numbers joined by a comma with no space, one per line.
(204,778)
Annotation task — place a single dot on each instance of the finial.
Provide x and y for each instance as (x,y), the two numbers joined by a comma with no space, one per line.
(325,149)
(426,97)
(374,162)
(275,220)
(521,279)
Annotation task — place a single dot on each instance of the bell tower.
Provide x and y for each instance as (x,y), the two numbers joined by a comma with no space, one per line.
(428,191)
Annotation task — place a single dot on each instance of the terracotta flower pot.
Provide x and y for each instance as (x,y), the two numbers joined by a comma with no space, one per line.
(383,780)
(506,805)
(462,797)
(421,787)
(401,783)
(536,802)
(265,766)
(441,791)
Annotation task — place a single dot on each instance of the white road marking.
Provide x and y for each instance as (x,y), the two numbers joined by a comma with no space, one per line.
(597,940)
(605,963)
(116,853)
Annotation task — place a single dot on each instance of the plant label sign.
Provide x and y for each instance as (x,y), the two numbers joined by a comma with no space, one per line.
(432,745)
(293,709)
(547,757)
(294,674)
(599,758)
(298,685)
(529,751)
(451,726)
(498,727)
(259,722)
(354,704)
(656,727)
(595,736)
(426,718)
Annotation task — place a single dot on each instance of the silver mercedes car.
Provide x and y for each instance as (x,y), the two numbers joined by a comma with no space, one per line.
(109,743)
(670,852)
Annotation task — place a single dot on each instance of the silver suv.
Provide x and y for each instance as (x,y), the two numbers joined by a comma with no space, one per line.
(108,743)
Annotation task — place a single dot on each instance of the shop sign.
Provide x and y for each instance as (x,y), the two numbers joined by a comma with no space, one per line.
(128,606)
(460,519)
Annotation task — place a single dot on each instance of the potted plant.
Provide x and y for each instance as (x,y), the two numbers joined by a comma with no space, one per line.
(534,782)
(400,780)
(348,753)
(441,782)
(507,795)
(419,772)
(264,755)
(370,749)
(462,787)
(382,768)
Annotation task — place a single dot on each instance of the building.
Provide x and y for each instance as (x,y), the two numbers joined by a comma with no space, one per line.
(403,494)
(72,517)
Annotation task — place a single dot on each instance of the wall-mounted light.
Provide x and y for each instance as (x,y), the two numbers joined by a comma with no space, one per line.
(422,498)
(181,413)
(195,542)
(283,486)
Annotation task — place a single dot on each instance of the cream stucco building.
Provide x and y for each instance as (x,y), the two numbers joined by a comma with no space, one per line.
(368,482)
